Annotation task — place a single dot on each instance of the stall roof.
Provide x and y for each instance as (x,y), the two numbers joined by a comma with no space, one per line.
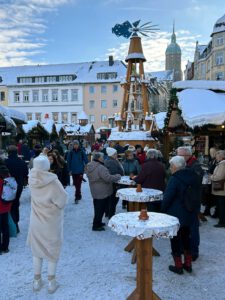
(130,136)
(32,124)
(200,107)
(215,85)
(13,114)
(159,118)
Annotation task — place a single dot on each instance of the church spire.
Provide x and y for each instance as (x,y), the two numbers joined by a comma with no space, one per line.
(173,36)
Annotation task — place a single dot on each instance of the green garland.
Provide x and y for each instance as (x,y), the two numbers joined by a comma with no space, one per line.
(173,105)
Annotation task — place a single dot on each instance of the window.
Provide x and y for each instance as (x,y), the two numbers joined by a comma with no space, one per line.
(35,96)
(219,41)
(38,116)
(107,75)
(91,118)
(24,79)
(55,116)
(16,96)
(2,96)
(74,95)
(29,116)
(26,96)
(54,95)
(103,118)
(51,79)
(64,117)
(91,89)
(219,76)
(92,104)
(103,89)
(115,103)
(39,79)
(103,104)
(73,118)
(219,58)
(44,95)
(115,88)
(208,65)
(66,78)
(64,95)
(203,70)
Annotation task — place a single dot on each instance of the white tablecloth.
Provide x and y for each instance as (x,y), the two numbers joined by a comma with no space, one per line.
(158,225)
(126,181)
(147,195)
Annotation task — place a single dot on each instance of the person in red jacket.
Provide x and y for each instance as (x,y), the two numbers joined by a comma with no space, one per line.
(140,154)
(4,210)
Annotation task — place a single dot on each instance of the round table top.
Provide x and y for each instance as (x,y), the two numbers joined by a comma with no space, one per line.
(147,195)
(158,225)
(125,180)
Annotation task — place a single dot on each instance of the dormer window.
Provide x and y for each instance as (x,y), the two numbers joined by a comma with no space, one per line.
(107,75)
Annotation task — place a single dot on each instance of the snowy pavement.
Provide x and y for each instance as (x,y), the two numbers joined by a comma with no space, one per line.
(93,265)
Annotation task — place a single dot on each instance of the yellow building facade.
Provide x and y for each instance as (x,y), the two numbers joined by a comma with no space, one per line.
(209,60)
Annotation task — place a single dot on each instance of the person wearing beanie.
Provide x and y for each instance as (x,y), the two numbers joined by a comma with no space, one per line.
(17,169)
(4,211)
(76,161)
(114,167)
(48,199)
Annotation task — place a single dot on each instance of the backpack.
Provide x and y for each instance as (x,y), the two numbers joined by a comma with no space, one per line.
(9,189)
(190,198)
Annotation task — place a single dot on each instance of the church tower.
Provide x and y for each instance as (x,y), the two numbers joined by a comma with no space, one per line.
(173,57)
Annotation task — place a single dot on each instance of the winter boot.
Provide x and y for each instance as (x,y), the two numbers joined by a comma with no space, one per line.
(52,286)
(187,266)
(178,268)
(37,284)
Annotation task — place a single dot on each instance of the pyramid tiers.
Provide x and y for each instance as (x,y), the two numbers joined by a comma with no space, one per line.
(135,50)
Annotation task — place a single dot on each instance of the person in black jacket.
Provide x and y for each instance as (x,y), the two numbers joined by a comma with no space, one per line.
(17,169)
(193,164)
(174,204)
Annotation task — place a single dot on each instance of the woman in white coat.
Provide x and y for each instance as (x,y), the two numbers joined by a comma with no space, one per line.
(48,199)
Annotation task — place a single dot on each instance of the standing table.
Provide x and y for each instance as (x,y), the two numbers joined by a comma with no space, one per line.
(158,225)
(137,201)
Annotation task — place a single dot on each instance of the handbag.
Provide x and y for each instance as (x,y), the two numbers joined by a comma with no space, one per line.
(9,189)
(12,226)
(218,185)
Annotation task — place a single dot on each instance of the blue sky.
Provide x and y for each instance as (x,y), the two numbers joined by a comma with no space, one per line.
(63,31)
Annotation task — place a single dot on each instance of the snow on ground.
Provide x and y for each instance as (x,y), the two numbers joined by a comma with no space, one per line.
(93,265)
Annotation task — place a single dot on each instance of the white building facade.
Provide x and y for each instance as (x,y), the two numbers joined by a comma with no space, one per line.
(59,92)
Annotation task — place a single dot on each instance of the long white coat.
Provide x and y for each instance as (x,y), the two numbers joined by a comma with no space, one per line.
(48,199)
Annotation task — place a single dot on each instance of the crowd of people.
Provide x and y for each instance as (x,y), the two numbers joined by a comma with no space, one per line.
(51,167)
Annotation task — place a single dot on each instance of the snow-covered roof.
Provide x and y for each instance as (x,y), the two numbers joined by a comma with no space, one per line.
(30,125)
(85,72)
(82,116)
(162,75)
(200,107)
(219,26)
(159,118)
(13,114)
(136,55)
(130,136)
(218,85)
(48,125)
(76,129)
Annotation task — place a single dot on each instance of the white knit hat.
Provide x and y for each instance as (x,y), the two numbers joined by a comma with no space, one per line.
(110,151)
(41,163)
